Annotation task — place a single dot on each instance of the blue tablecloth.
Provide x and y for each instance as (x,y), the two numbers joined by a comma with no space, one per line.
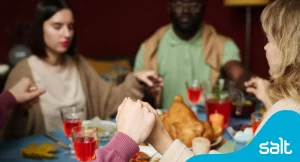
(10,150)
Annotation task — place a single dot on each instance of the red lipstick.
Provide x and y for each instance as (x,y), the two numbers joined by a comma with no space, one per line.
(65,43)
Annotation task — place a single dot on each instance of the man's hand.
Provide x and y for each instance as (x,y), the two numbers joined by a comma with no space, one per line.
(153,82)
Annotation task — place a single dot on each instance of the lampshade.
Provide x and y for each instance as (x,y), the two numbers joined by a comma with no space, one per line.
(246,2)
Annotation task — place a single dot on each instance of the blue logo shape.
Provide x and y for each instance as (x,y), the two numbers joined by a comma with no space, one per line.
(277,141)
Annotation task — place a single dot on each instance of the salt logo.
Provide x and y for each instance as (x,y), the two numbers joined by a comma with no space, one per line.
(282,147)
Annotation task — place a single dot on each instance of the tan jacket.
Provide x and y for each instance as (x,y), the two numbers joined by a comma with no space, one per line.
(213,46)
(102,99)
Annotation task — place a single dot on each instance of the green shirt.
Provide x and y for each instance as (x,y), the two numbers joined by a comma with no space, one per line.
(179,59)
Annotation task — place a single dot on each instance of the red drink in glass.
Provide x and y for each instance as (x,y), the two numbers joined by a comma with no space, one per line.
(255,126)
(222,107)
(69,124)
(85,148)
(194,94)
(256,119)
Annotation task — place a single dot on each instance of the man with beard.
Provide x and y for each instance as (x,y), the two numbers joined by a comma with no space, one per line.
(188,49)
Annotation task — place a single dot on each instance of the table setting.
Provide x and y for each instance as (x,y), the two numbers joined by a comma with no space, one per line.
(232,122)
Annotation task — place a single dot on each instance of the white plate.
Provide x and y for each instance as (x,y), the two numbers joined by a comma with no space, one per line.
(150,151)
(85,122)
(104,122)
(218,141)
(108,127)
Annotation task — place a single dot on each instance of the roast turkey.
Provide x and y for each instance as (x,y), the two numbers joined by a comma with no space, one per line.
(181,123)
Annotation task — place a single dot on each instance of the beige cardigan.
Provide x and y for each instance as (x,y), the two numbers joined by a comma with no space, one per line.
(101,99)
(178,152)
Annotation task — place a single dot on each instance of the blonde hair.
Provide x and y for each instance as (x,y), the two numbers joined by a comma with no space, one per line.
(281,23)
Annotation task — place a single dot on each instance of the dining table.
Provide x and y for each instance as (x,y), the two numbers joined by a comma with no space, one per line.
(10,150)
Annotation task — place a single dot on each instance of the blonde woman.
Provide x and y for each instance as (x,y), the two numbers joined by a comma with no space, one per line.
(280,22)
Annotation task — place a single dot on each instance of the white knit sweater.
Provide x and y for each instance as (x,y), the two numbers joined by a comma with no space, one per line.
(284,104)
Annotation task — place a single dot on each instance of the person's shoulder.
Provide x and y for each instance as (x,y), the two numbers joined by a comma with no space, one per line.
(19,71)
(286,104)
(286,101)
(158,34)
(226,39)
(222,37)
(79,58)
(22,65)
(82,63)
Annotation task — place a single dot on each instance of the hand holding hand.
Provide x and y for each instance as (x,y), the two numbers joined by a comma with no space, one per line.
(135,120)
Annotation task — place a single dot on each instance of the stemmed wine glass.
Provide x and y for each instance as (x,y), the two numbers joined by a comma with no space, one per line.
(71,117)
(194,91)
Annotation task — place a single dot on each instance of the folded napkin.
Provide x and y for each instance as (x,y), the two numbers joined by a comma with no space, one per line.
(228,147)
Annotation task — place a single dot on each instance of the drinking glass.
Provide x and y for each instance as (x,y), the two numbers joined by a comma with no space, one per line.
(218,111)
(85,139)
(71,117)
(256,119)
(194,91)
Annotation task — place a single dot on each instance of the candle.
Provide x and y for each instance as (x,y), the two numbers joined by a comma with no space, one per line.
(200,145)
(217,119)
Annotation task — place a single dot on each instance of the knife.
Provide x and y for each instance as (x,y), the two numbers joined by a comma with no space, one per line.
(58,142)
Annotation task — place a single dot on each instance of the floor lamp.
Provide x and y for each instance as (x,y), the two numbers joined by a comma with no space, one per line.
(248,4)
